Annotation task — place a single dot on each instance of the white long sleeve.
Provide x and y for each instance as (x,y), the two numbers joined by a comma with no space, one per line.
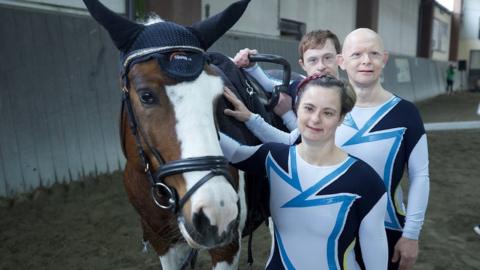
(419,188)
(373,238)
(290,120)
(262,78)
(234,151)
(267,133)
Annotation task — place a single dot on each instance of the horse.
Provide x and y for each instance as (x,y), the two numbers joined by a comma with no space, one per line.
(176,178)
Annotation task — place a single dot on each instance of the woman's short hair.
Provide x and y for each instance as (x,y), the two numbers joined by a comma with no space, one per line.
(347,94)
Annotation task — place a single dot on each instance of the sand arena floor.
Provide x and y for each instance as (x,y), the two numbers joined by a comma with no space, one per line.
(90,224)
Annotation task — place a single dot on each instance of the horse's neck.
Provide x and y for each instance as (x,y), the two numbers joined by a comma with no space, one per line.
(156,228)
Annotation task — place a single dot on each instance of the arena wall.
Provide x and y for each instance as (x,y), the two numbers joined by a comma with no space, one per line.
(60,96)
(398,25)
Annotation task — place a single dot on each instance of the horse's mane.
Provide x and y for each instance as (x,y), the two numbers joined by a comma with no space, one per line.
(152,18)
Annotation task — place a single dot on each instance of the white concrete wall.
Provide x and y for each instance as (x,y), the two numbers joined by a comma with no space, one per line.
(441,34)
(398,20)
(337,16)
(260,18)
(398,25)
(469,33)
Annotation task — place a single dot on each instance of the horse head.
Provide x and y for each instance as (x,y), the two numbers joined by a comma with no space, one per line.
(176,176)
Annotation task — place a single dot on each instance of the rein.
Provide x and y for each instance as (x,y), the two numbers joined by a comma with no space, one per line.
(217,165)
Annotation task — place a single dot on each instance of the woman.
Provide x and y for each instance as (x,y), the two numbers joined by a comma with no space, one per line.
(322,200)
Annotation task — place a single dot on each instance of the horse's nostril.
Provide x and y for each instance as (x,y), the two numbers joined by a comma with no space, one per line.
(209,234)
(202,224)
(200,220)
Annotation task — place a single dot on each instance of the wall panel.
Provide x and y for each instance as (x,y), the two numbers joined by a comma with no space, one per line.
(398,24)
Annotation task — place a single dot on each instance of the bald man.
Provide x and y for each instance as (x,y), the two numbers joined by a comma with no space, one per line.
(387,132)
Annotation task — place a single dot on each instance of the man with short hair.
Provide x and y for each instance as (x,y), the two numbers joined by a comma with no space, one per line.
(317,52)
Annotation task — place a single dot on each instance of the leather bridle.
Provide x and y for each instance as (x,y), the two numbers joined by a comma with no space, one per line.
(161,192)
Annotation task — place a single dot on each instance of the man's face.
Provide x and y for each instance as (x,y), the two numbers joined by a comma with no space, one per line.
(321,60)
(363,58)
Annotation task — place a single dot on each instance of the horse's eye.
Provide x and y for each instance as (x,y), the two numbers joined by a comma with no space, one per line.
(147,97)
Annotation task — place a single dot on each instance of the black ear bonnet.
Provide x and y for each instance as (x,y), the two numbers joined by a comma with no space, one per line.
(179,50)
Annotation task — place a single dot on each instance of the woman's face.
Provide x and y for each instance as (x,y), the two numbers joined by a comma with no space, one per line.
(319,114)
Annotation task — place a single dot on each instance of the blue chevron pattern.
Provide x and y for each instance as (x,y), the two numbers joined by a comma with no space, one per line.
(308,198)
(364,135)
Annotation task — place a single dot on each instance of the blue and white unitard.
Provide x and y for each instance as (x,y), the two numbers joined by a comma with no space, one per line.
(389,137)
(318,212)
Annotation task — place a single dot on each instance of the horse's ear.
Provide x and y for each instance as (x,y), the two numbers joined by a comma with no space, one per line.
(211,29)
(122,31)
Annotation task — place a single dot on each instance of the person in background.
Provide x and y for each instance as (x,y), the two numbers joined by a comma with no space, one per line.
(323,201)
(450,78)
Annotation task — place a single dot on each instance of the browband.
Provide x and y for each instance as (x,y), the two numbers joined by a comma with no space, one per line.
(142,52)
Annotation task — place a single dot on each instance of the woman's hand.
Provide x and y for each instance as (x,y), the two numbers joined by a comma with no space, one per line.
(240,111)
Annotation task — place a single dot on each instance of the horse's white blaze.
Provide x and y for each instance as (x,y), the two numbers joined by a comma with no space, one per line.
(175,256)
(243,204)
(196,131)
(243,218)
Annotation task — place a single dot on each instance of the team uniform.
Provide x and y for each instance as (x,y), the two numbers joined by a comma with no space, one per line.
(319,212)
(388,137)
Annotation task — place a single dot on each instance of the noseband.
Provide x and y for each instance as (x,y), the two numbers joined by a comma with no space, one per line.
(164,196)
(217,165)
